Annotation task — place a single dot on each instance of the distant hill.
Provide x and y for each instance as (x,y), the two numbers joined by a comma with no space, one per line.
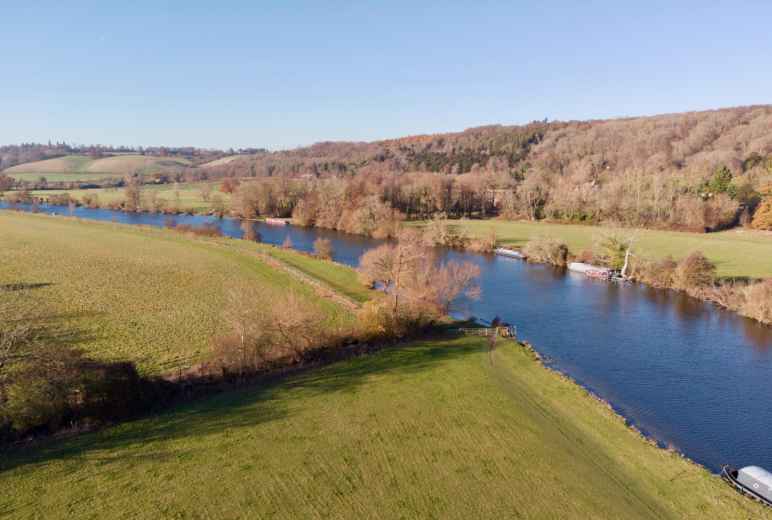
(220,162)
(689,143)
(81,167)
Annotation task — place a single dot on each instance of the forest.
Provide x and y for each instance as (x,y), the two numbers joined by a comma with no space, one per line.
(696,171)
(700,171)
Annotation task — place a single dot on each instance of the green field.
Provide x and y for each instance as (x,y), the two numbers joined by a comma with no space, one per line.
(187,196)
(736,253)
(344,281)
(84,168)
(64,177)
(435,429)
(153,296)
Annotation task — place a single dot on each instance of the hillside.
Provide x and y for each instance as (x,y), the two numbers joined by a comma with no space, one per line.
(220,162)
(694,171)
(434,429)
(671,142)
(79,167)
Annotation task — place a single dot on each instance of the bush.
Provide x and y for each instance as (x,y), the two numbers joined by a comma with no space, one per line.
(655,273)
(484,245)
(694,272)
(439,233)
(546,250)
(323,248)
(258,337)
(758,301)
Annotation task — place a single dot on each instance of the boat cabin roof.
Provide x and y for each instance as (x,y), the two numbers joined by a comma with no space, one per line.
(759,474)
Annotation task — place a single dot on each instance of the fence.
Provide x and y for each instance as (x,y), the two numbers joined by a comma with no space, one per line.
(509,331)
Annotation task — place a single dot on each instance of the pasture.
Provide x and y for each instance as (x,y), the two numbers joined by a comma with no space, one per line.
(188,197)
(433,429)
(84,168)
(149,295)
(736,253)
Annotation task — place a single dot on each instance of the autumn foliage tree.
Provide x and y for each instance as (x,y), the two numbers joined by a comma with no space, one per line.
(419,286)
(763,217)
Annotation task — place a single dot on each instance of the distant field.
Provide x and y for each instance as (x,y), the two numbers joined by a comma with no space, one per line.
(63,177)
(735,252)
(221,161)
(434,429)
(189,195)
(149,295)
(83,168)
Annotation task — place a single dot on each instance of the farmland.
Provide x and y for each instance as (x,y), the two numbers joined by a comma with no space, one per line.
(184,196)
(84,168)
(148,295)
(736,253)
(433,429)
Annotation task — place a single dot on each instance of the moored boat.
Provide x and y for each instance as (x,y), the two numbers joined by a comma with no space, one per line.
(589,270)
(509,252)
(753,481)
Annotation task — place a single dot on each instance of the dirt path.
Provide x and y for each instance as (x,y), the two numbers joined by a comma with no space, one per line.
(321,288)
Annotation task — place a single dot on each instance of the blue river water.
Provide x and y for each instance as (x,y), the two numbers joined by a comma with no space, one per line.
(686,373)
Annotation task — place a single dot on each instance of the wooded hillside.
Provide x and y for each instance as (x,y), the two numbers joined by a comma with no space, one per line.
(697,170)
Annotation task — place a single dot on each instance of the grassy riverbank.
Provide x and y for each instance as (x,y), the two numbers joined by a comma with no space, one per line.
(153,296)
(184,197)
(434,429)
(736,253)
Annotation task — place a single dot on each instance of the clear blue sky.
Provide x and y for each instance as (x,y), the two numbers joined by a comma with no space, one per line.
(283,74)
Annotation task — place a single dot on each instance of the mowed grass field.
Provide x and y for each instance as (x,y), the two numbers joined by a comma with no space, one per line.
(736,253)
(149,295)
(433,429)
(84,168)
(189,196)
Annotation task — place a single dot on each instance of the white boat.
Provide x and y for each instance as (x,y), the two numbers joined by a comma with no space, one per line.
(509,252)
(750,480)
(593,271)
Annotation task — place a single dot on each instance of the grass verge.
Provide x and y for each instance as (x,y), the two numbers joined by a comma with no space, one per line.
(435,429)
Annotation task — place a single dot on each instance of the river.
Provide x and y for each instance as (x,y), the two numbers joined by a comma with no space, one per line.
(684,372)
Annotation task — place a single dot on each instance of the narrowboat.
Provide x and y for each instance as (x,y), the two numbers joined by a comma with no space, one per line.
(750,480)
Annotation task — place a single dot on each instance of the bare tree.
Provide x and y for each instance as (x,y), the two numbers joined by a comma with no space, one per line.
(323,248)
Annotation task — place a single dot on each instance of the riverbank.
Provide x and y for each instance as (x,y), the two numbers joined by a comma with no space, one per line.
(611,338)
(474,436)
(737,253)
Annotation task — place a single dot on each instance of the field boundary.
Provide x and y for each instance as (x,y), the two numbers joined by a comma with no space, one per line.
(321,288)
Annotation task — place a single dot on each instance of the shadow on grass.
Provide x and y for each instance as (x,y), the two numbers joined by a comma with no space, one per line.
(23,286)
(243,408)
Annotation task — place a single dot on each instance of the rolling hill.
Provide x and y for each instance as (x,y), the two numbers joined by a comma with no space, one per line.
(81,167)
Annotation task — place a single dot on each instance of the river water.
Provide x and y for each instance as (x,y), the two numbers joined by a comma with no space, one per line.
(686,373)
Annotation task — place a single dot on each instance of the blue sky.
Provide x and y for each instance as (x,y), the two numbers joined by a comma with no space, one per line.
(284,74)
